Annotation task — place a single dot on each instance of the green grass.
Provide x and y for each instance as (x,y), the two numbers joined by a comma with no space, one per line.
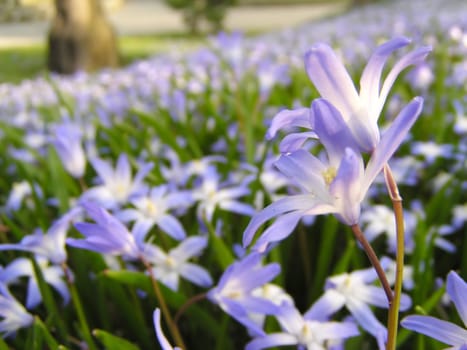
(19,63)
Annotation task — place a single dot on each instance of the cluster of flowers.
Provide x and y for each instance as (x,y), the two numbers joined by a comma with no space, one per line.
(193,191)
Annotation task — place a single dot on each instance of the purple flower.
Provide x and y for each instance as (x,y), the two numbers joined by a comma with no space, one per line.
(303,331)
(168,267)
(51,244)
(212,194)
(335,186)
(108,235)
(117,186)
(153,209)
(22,267)
(444,331)
(234,292)
(14,316)
(67,142)
(356,292)
(362,109)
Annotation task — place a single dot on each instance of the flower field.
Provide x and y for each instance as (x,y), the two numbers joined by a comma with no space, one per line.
(304,188)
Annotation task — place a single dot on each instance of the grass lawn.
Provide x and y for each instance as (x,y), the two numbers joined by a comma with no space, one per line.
(21,63)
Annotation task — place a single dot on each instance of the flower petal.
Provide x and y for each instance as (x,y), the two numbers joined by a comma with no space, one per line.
(412,58)
(329,303)
(299,117)
(457,290)
(271,340)
(346,187)
(332,130)
(306,171)
(331,79)
(283,205)
(280,229)
(443,331)
(294,141)
(371,76)
(391,140)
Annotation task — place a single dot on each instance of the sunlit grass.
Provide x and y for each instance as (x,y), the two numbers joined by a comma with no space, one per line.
(19,63)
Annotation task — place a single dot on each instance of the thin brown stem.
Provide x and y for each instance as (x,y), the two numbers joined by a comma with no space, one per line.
(187,304)
(177,337)
(374,261)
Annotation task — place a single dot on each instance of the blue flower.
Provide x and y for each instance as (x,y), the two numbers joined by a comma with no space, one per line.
(108,235)
(360,110)
(336,186)
(444,331)
(118,186)
(356,292)
(168,267)
(14,316)
(303,331)
(68,145)
(234,292)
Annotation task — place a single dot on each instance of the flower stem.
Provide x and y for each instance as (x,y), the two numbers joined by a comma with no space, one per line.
(177,337)
(78,308)
(374,261)
(393,319)
(187,304)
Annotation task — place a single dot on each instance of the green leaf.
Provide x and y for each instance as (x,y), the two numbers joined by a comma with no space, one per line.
(42,329)
(113,342)
(131,278)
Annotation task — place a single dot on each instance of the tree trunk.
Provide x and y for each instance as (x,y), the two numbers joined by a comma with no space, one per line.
(80,38)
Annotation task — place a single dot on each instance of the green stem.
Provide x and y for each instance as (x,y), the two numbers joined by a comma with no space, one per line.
(177,337)
(393,319)
(79,308)
(374,261)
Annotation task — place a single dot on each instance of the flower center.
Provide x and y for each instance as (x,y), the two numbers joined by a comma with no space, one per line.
(329,174)
(306,334)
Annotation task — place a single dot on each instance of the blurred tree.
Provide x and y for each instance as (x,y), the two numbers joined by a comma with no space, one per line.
(197,11)
(80,38)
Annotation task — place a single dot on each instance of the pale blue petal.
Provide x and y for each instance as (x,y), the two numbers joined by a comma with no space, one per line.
(271,340)
(255,278)
(332,130)
(337,330)
(237,207)
(170,225)
(412,58)
(286,118)
(34,296)
(282,206)
(164,343)
(123,169)
(259,305)
(331,79)
(391,140)
(294,141)
(290,318)
(443,331)
(346,187)
(103,169)
(192,246)
(196,275)
(370,80)
(365,317)
(457,290)
(328,304)
(306,171)
(238,312)
(279,230)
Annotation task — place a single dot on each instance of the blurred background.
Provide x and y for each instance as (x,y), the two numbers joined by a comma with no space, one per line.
(65,36)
